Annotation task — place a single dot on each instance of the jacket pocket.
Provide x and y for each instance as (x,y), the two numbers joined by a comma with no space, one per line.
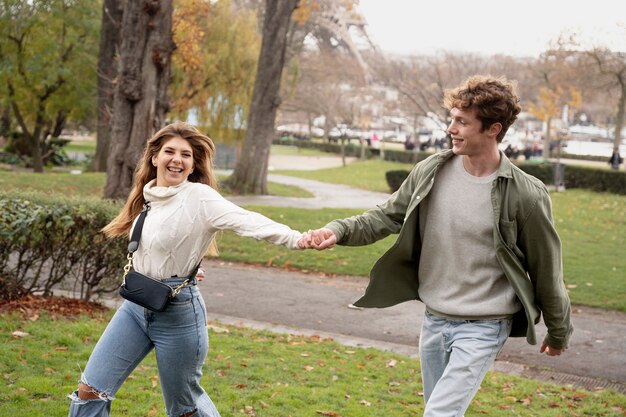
(508,231)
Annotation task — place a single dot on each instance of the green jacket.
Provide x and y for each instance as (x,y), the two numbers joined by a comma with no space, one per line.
(526,243)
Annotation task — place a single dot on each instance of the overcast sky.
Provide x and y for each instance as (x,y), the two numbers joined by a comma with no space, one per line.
(491,26)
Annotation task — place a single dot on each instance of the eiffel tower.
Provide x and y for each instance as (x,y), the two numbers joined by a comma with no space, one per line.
(335,23)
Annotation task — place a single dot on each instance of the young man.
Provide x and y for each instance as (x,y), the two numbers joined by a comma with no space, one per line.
(477,245)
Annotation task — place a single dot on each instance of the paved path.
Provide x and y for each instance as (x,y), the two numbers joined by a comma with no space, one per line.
(308,304)
(326,195)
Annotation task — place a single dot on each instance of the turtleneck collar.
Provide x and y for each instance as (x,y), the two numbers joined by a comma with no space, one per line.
(153,193)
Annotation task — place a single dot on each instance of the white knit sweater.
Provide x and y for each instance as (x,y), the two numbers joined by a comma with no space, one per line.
(183,220)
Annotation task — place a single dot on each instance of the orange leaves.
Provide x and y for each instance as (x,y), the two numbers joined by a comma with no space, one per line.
(305,9)
(187,26)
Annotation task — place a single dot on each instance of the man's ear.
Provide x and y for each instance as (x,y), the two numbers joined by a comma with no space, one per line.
(495,129)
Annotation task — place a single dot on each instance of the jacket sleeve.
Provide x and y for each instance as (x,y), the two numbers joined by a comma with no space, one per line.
(542,247)
(377,223)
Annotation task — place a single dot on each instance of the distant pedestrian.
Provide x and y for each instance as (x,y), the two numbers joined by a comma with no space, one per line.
(477,245)
(616,160)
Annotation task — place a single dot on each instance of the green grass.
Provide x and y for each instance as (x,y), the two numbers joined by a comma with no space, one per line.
(294,150)
(592,227)
(89,184)
(368,175)
(92,184)
(257,373)
(81,146)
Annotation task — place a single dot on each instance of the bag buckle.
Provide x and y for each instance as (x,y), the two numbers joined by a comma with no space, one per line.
(128,266)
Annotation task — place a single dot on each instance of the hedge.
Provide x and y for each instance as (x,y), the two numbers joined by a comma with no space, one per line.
(351,149)
(589,178)
(49,242)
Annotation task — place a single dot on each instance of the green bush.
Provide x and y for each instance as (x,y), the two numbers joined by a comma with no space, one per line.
(542,171)
(354,149)
(601,180)
(588,178)
(396,178)
(48,242)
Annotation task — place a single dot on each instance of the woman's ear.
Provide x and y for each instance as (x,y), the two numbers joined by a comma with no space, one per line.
(154,161)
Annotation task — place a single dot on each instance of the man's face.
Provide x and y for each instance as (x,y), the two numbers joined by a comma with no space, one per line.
(468,138)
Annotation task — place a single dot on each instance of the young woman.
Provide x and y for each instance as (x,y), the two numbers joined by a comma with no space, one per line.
(175,176)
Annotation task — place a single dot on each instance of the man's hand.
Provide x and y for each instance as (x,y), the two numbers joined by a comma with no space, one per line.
(318,239)
(551,351)
(200,273)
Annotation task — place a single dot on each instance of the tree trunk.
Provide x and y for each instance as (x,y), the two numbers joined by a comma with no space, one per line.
(140,100)
(107,71)
(619,117)
(250,175)
(5,122)
(546,140)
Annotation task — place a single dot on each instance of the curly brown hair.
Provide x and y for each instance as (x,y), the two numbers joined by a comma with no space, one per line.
(494,99)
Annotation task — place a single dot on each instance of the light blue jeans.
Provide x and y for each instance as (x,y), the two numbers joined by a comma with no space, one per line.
(455,356)
(180,339)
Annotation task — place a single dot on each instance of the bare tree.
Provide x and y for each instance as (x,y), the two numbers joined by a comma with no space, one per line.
(140,101)
(611,67)
(250,175)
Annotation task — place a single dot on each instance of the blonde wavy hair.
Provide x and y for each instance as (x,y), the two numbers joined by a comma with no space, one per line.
(203,150)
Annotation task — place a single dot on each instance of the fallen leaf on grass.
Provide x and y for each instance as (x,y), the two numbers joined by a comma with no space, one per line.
(217,329)
(19,333)
(327,413)
(392,363)
(365,403)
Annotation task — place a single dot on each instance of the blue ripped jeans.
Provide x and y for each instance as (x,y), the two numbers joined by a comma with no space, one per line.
(180,339)
(455,356)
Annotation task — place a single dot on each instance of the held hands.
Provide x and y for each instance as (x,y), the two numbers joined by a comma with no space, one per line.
(318,239)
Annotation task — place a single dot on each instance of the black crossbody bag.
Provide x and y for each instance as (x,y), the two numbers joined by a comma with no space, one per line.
(141,289)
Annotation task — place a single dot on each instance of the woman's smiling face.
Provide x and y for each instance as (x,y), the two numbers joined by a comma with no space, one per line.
(174,162)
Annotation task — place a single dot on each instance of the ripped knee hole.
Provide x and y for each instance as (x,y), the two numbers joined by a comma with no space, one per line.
(87,392)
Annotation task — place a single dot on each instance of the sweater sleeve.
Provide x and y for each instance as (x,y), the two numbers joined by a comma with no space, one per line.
(221,214)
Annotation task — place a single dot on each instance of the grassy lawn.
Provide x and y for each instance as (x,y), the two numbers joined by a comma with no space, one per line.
(92,184)
(368,175)
(294,150)
(81,146)
(256,373)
